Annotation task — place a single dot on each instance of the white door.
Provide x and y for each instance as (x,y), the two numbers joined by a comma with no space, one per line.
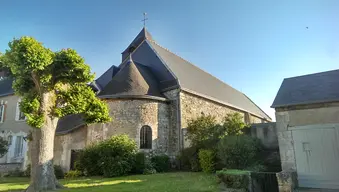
(317,156)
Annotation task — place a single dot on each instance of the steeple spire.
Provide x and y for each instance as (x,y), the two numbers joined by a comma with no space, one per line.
(145,19)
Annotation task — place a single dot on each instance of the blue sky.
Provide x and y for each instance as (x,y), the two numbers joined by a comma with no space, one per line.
(251,45)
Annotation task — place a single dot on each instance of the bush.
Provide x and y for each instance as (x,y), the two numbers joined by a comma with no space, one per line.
(188,159)
(73,174)
(112,157)
(139,163)
(161,163)
(27,171)
(207,160)
(234,179)
(15,173)
(239,152)
(3,147)
(59,173)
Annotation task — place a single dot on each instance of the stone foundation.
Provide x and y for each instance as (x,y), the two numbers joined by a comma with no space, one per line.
(287,181)
(7,167)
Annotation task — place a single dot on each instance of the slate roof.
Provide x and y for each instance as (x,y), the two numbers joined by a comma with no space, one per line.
(69,123)
(6,87)
(308,89)
(144,34)
(196,80)
(132,81)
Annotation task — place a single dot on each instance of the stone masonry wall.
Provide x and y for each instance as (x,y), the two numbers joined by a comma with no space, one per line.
(175,143)
(63,144)
(128,116)
(193,106)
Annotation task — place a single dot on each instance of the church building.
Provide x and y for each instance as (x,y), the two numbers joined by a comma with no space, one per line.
(151,95)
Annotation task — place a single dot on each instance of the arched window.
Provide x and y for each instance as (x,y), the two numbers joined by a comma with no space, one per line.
(146,137)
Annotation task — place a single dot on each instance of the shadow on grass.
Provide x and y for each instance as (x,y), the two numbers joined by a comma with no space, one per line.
(176,182)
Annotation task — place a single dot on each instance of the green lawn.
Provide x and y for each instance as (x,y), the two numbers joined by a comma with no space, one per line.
(167,182)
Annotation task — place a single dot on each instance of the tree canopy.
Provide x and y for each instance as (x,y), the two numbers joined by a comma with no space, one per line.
(63,75)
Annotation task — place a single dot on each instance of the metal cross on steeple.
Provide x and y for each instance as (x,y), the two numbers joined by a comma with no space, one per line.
(145,19)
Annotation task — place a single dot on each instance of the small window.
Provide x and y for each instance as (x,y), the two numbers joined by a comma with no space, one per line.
(2,113)
(9,139)
(19,144)
(19,116)
(146,137)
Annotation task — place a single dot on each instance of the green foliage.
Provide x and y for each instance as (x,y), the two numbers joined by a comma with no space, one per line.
(239,152)
(3,147)
(15,173)
(207,160)
(234,179)
(59,78)
(188,159)
(233,124)
(59,173)
(201,129)
(139,163)
(205,132)
(112,157)
(73,174)
(27,171)
(161,163)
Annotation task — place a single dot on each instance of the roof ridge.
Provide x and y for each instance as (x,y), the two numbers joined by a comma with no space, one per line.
(196,66)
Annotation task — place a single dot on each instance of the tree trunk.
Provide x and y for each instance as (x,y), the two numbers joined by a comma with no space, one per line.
(41,150)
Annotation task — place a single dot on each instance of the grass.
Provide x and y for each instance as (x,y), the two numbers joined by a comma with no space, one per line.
(234,172)
(167,182)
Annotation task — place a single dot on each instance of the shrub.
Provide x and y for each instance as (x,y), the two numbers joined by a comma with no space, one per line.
(112,157)
(204,132)
(188,159)
(15,173)
(201,130)
(207,160)
(3,147)
(149,167)
(239,152)
(73,174)
(235,179)
(161,163)
(139,163)
(59,173)
(27,171)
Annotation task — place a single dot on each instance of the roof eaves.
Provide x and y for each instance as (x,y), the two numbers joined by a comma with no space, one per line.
(257,106)
(221,102)
(132,97)
(7,94)
(70,130)
(305,103)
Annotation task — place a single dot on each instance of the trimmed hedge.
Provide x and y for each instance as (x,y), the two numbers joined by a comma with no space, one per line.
(239,152)
(207,160)
(235,179)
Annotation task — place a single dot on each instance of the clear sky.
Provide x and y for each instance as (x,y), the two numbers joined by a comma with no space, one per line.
(251,45)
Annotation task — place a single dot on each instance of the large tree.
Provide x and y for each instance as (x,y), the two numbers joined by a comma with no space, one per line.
(51,85)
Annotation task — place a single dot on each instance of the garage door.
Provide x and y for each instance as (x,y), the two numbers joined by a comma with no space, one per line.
(317,156)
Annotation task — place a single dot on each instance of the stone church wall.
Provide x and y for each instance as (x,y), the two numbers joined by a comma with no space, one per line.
(128,116)
(193,106)
(63,144)
(175,143)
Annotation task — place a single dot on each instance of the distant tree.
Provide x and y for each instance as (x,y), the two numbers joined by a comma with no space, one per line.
(51,85)
(3,147)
